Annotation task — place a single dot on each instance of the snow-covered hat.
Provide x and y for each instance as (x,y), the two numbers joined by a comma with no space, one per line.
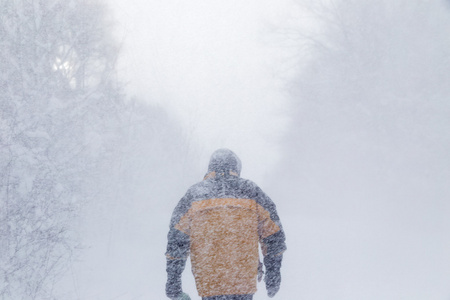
(224,160)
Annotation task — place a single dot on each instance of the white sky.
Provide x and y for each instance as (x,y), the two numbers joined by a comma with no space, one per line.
(217,65)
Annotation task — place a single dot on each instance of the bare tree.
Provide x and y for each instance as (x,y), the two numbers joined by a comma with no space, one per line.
(58,100)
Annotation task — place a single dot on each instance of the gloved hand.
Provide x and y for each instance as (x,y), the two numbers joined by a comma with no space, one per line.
(273,275)
(272,280)
(184,297)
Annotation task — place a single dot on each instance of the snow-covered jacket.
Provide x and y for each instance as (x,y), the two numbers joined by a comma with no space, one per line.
(220,222)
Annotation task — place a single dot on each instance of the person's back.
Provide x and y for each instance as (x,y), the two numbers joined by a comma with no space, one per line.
(220,222)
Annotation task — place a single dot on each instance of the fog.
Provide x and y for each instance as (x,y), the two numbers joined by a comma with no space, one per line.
(339,111)
(366,162)
(214,65)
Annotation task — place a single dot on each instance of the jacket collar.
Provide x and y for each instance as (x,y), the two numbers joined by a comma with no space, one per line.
(213,174)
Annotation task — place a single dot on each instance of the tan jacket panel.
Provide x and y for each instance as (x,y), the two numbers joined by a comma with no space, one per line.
(224,235)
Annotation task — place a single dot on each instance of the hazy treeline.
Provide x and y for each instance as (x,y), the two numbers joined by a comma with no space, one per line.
(366,160)
(372,104)
(71,141)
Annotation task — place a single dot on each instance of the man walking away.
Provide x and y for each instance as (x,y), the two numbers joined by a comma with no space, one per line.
(220,222)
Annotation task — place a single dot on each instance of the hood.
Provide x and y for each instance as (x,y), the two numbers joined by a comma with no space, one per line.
(225,161)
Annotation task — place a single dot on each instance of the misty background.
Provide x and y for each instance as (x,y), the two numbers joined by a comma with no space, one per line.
(339,110)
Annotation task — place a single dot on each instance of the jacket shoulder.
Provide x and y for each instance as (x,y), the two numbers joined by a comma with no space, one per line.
(199,190)
(251,190)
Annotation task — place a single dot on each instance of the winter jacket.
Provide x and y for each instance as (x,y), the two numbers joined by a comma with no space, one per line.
(219,223)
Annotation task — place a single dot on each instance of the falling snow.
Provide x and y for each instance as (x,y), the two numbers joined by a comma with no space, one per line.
(110,110)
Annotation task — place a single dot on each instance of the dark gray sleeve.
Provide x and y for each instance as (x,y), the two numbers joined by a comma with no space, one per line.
(178,242)
(275,244)
(178,245)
